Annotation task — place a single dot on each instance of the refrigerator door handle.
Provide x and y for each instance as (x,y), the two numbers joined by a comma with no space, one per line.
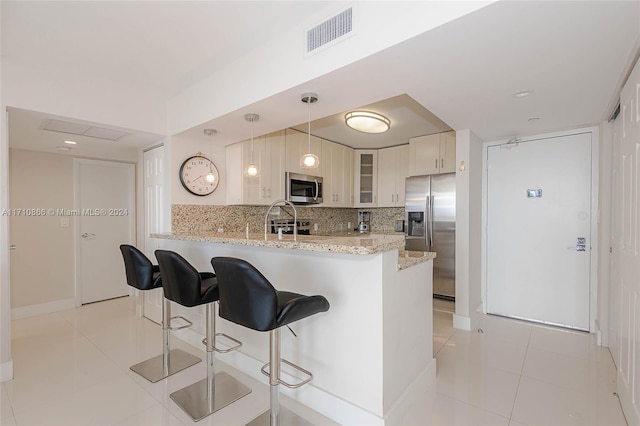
(431,203)
(427,230)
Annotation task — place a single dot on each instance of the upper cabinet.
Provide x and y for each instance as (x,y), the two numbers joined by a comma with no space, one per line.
(337,174)
(393,169)
(268,153)
(432,154)
(297,144)
(365,167)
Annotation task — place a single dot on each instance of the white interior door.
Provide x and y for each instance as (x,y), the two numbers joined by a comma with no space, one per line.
(625,269)
(538,210)
(153,160)
(105,202)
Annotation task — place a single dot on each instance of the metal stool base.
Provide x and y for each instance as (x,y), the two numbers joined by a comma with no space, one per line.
(153,368)
(194,401)
(287,417)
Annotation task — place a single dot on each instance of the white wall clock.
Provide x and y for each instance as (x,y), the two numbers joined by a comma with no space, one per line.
(199,175)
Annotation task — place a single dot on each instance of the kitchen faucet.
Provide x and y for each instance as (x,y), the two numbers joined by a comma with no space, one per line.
(295,218)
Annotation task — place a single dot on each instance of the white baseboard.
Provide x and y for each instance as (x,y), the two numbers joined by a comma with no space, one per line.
(317,399)
(461,322)
(42,308)
(6,371)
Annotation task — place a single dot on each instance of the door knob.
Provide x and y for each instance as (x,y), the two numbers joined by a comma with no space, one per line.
(12,247)
(88,235)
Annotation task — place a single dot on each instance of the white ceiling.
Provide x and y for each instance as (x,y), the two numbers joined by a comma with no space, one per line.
(571,55)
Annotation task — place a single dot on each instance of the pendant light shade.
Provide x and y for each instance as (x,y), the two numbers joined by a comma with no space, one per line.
(211,176)
(252,169)
(309,160)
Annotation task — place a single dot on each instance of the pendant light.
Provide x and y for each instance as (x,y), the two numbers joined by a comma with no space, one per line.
(252,168)
(309,160)
(211,177)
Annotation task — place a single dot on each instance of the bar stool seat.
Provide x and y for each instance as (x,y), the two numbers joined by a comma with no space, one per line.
(143,275)
(184,285)
(247,298)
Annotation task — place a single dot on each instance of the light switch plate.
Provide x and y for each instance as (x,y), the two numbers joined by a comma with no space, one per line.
(64,222)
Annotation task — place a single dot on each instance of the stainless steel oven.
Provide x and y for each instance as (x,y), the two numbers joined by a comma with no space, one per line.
(303,189)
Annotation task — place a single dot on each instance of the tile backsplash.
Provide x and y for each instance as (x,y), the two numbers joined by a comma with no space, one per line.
(197,218)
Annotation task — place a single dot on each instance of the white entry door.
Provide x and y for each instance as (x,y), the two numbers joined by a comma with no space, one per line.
(105,202)
(538,230)
(153,167)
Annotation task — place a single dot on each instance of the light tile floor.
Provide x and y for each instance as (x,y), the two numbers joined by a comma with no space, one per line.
(72,368)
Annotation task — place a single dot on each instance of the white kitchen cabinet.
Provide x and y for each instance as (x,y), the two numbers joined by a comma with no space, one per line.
(268,185)
(432,154)
(297,144)
(393,165)
(365,167)
(337,174)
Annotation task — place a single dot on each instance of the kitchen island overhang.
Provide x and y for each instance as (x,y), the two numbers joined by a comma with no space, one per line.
(365,352)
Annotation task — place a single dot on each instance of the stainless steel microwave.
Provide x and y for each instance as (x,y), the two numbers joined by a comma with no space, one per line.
(303,189)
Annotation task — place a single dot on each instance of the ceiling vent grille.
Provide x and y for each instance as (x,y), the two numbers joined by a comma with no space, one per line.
(330,30)
(82,129)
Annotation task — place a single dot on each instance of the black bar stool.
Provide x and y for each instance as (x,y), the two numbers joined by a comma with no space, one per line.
(183,284)
(143,275)
(247,298)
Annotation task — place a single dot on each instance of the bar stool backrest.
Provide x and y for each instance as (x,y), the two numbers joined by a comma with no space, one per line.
(246,296)
(180,280)
(138,268)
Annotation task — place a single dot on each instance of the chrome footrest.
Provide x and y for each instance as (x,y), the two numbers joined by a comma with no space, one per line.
(224,351)
(295,367)
(189,323)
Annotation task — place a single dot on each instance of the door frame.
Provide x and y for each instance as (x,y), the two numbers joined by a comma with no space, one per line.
(594,321)
(129,168)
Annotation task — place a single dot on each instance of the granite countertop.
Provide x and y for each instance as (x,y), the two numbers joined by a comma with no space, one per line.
(360,244)
(407,259)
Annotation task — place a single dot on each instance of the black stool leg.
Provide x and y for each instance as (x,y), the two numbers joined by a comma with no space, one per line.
(171,361)
(215,391)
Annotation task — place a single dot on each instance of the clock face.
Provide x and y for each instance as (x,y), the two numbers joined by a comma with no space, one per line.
(199,175)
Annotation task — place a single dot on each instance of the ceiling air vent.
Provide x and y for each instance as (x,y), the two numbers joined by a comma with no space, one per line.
(82,129)
(330,30)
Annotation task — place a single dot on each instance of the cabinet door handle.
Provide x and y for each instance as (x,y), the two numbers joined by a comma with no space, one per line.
(392,198)
(442,163)
(436,163)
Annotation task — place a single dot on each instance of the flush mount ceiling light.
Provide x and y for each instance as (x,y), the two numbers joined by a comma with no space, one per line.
(252,168)
(70,142)
(309,160)
(367,121)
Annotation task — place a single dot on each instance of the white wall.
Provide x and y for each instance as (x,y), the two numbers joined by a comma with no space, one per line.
(6,363)
(604,231)
(42,265)
(468,229)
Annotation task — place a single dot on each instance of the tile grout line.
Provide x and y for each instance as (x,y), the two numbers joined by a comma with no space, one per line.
(515,399)
(125,371)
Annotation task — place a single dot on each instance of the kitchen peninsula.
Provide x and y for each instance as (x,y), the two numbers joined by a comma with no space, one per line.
(375,341)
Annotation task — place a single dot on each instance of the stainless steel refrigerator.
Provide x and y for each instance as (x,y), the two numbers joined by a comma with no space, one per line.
(430,225)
